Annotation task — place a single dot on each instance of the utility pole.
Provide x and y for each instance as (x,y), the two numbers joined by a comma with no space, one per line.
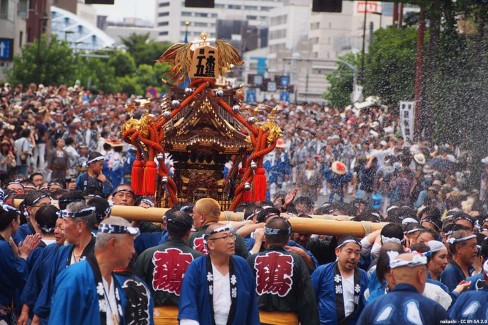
(361,76)
(418,72)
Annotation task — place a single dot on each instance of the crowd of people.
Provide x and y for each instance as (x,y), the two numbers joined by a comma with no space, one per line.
(65,259)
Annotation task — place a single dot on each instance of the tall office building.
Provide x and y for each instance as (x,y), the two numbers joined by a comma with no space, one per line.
(171,16)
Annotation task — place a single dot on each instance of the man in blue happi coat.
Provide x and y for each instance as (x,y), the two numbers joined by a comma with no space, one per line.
(463,248)
(405,303)
(471,305)
(277,165)
(78,222)
(90,292)
(218,288)
(339,286)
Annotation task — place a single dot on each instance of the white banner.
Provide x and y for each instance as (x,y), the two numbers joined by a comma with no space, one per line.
(357,94)
(407,120)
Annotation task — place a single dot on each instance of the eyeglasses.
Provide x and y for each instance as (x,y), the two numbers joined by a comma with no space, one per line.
(227,238)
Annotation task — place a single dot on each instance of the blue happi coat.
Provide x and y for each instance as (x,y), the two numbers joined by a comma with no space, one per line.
(38,275)
(471,305)
(195,297)
(324,286)
(453,274)
(13,274)
(76,300)
(403,305)
(23,231)
(60,261)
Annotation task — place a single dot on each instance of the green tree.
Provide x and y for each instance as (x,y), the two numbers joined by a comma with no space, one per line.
(150,76)
(95,73)
(128,84)
(44,61)
(390,65)
(123,63)
(142,49)
(339,92)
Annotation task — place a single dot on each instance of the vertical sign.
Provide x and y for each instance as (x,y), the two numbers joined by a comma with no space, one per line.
(6,48)
(251,95)
(407,118)
(204,63)
(284,96)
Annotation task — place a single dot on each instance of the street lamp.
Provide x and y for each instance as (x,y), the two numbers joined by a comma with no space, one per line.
(187,23)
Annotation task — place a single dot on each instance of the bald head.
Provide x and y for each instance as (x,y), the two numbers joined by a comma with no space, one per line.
(205,211)
(410,271)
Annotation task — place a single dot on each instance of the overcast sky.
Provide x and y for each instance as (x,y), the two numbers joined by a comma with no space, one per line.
(144,9)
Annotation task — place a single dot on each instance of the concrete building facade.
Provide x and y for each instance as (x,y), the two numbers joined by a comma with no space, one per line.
(171,16)
(20,21)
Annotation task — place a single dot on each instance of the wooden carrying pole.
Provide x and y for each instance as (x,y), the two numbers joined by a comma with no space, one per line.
(318,224)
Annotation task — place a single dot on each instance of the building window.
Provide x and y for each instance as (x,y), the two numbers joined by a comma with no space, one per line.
(163,4)
(163,23)
(163,14)
(163,33)
(250,7)
(235,7)
(185,14)
(201,14)
(251,17)
(22,9)
(6,11)
(279,20)
(21,38)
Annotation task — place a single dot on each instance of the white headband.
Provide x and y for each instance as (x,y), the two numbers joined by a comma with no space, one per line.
(409,220)
(216,231)
(391,208)
(95,159)
(457,240)
(347,241)
(418,259)
(412,231)
(385,240)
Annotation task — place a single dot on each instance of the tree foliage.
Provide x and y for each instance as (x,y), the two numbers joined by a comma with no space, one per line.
(54,62)
(455,83)
(150,76)
(339,92)
(390,65)
(44,61)
(123,63)
(142,49)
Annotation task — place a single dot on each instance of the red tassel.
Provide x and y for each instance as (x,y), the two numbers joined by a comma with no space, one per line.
(259,185)
(150,173)
(246,196)
(137,176)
